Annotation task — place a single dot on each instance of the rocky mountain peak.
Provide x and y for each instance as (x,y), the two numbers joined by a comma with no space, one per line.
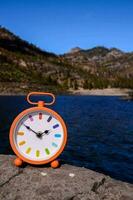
(75,50)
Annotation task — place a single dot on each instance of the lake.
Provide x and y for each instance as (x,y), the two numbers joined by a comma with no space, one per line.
(100,131)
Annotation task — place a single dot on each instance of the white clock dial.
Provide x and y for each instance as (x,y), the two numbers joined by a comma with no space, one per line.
(38,135)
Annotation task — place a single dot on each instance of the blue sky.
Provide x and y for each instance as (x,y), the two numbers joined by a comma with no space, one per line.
(59,25)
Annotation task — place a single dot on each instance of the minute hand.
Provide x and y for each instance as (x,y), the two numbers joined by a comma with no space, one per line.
(28,127)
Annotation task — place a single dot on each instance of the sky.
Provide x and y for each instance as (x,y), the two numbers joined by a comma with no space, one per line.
(59,25)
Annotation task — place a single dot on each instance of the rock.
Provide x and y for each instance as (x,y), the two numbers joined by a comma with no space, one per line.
(22,63)
(29,183)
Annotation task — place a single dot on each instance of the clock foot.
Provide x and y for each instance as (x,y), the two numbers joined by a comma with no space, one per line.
(18,162)
(55,164)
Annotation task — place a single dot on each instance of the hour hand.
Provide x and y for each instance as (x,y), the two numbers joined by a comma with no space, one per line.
(46,132)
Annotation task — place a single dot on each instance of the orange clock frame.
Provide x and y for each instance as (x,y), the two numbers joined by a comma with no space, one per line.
(33,109)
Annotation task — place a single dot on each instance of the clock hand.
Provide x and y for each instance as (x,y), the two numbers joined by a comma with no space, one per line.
(37,134)
(46,132)
(28,127)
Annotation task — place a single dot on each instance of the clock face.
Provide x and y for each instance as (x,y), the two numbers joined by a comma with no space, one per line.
(38,135)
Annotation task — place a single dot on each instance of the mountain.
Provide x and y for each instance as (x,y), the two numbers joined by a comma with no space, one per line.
(25,67)
(13,43)
(112,67)
(98,56)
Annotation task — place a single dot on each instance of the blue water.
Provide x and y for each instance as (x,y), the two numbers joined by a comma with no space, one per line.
(100,131)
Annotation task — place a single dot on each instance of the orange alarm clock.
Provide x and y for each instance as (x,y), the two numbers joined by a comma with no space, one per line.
(38,135)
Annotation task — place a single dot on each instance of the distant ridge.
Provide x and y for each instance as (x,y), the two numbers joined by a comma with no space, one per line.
(99,50)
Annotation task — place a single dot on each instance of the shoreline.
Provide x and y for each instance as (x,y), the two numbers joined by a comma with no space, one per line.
(102,92)
(83,92)
(64,183)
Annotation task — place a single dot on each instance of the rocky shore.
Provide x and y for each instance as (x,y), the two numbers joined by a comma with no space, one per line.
(103,92)
(65,183)
(15,89)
